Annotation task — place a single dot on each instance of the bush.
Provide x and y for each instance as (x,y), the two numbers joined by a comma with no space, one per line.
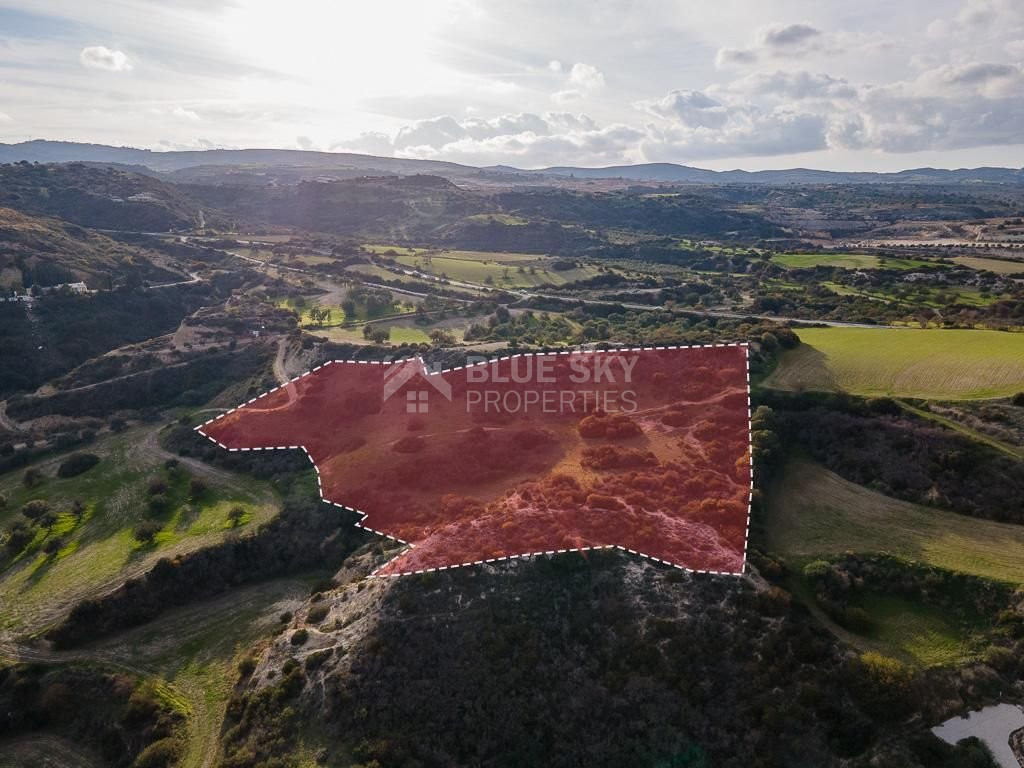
(299,637)
(196,488)
(1018,399)
(146,531)
(53,546)
(317,614)
(35,509)
(77,463)
(160,754)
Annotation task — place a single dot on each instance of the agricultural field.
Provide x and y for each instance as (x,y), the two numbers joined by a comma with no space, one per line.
(97,545)
(999,266)
(847,261)
(921,295)
(306,307)
(502,270)
(813,512)
(904,362)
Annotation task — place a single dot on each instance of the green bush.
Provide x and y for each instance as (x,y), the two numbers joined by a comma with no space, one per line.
(77,463)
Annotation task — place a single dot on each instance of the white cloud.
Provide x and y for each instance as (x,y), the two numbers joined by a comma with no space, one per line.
(555,65)
(793,85)
(692,108)
(584,80)
(5,118)
(101,57)
(185,114)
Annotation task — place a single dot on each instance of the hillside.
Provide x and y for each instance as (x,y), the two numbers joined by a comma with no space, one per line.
(100,197)
(44,252)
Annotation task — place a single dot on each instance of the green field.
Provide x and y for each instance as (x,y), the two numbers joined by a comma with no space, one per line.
(922,296)
(846,261)
(813,512)
(502,270)
(999,266)
(920,632)
(904,362)
(98,548)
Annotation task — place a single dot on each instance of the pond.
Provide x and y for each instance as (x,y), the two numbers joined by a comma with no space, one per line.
(992,725)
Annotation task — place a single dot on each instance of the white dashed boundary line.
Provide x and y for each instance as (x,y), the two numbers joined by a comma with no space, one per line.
(528,555)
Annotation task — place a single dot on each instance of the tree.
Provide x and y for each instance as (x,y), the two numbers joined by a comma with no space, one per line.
(376,334)
(78,508)
(235,515)
(32,477)
(196,488)
(442,338)
(146,531)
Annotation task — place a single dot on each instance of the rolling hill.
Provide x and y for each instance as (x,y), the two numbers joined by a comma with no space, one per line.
(41,151)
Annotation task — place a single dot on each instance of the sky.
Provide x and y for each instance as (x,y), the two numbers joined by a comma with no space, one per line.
(719,84)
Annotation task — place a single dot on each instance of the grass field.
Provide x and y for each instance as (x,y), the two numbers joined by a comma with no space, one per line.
(98,548)
(502,270)
(920,632)
(904,362)
(925,296)
(813,512)
(999,266)
(846,261)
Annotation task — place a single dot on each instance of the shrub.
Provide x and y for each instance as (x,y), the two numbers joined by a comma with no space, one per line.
(1018,399)
(35,509)
(196,488)
(236,514)
(160,754)
(317,614)
(77,463)
(299,637)
(316,659)
(146,531)
(53,546)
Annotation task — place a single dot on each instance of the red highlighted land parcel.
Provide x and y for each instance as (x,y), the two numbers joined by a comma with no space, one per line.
(643,449)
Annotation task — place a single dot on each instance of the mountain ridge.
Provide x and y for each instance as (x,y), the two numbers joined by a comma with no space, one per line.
(44,151)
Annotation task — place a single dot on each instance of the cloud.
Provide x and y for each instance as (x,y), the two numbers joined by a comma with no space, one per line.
(367,143)
(692,108)
(304,142)
(101,57)
(734,57)
(793,85)
(185,114)
(773,41)
(584,80)
(787,35)
(555,65)
(5,118)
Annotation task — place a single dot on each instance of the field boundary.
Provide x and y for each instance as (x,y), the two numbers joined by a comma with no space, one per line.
(418,359)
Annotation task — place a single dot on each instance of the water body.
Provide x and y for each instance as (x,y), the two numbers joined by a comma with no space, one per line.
(992,725)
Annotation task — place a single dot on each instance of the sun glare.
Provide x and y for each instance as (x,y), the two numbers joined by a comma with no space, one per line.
(364,48)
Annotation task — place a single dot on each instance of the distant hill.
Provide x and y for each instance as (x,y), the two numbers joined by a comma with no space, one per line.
(343,164)
(101,197)
(673,173)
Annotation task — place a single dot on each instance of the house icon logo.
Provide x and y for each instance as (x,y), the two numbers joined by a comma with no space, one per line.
(416,399)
